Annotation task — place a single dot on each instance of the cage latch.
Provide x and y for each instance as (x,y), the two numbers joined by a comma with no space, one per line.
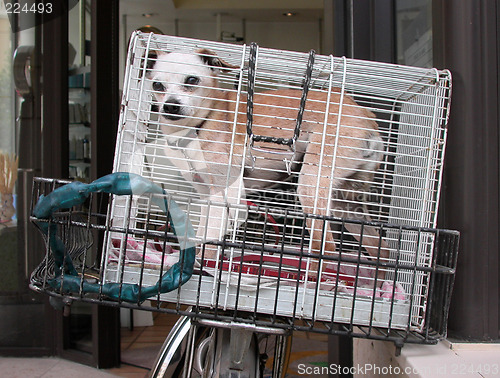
(290,142)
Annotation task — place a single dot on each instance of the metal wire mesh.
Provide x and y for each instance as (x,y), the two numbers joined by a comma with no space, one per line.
(260,285)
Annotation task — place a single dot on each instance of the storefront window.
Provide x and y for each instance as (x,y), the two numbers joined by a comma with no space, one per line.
(22,311)
(414,32)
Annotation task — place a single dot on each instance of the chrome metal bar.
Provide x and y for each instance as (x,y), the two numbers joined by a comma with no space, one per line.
(243,326)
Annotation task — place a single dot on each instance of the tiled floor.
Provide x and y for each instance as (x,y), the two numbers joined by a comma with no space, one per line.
(48,367)
(139,349)
(140,346)
(129,371)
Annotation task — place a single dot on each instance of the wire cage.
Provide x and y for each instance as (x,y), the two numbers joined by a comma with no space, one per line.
(311,183)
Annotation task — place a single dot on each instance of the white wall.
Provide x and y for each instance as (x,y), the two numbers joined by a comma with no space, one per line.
(296,36)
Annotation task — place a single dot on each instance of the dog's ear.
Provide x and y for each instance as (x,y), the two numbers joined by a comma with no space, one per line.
(150,61)
(211,59)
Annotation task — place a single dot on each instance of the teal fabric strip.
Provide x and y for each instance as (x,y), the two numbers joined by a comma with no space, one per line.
(66,278)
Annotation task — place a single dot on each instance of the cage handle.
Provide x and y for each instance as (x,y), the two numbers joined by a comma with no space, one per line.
(250,100)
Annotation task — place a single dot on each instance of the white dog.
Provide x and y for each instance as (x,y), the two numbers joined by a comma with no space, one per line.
(197,117)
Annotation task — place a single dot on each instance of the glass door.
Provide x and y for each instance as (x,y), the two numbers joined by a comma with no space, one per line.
(26,325)
(45,103)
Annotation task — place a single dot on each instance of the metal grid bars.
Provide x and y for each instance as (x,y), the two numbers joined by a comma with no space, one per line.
(259,279)
(305,175)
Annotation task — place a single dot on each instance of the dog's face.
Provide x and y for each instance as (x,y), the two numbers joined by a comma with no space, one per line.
(184,86)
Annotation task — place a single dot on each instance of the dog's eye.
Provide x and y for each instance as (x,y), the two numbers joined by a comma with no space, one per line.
(192,80)
(159,87)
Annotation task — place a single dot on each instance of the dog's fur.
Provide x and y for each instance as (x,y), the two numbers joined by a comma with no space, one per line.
(186,94)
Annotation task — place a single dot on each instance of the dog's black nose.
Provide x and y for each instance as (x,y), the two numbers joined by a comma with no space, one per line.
(172,107)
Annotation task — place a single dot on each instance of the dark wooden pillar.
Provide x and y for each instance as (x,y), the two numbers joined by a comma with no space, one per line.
(466,42)
(105,111)
(55,116)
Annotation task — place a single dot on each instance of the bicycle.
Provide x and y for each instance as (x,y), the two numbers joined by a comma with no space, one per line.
(265,282)
(202,336)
